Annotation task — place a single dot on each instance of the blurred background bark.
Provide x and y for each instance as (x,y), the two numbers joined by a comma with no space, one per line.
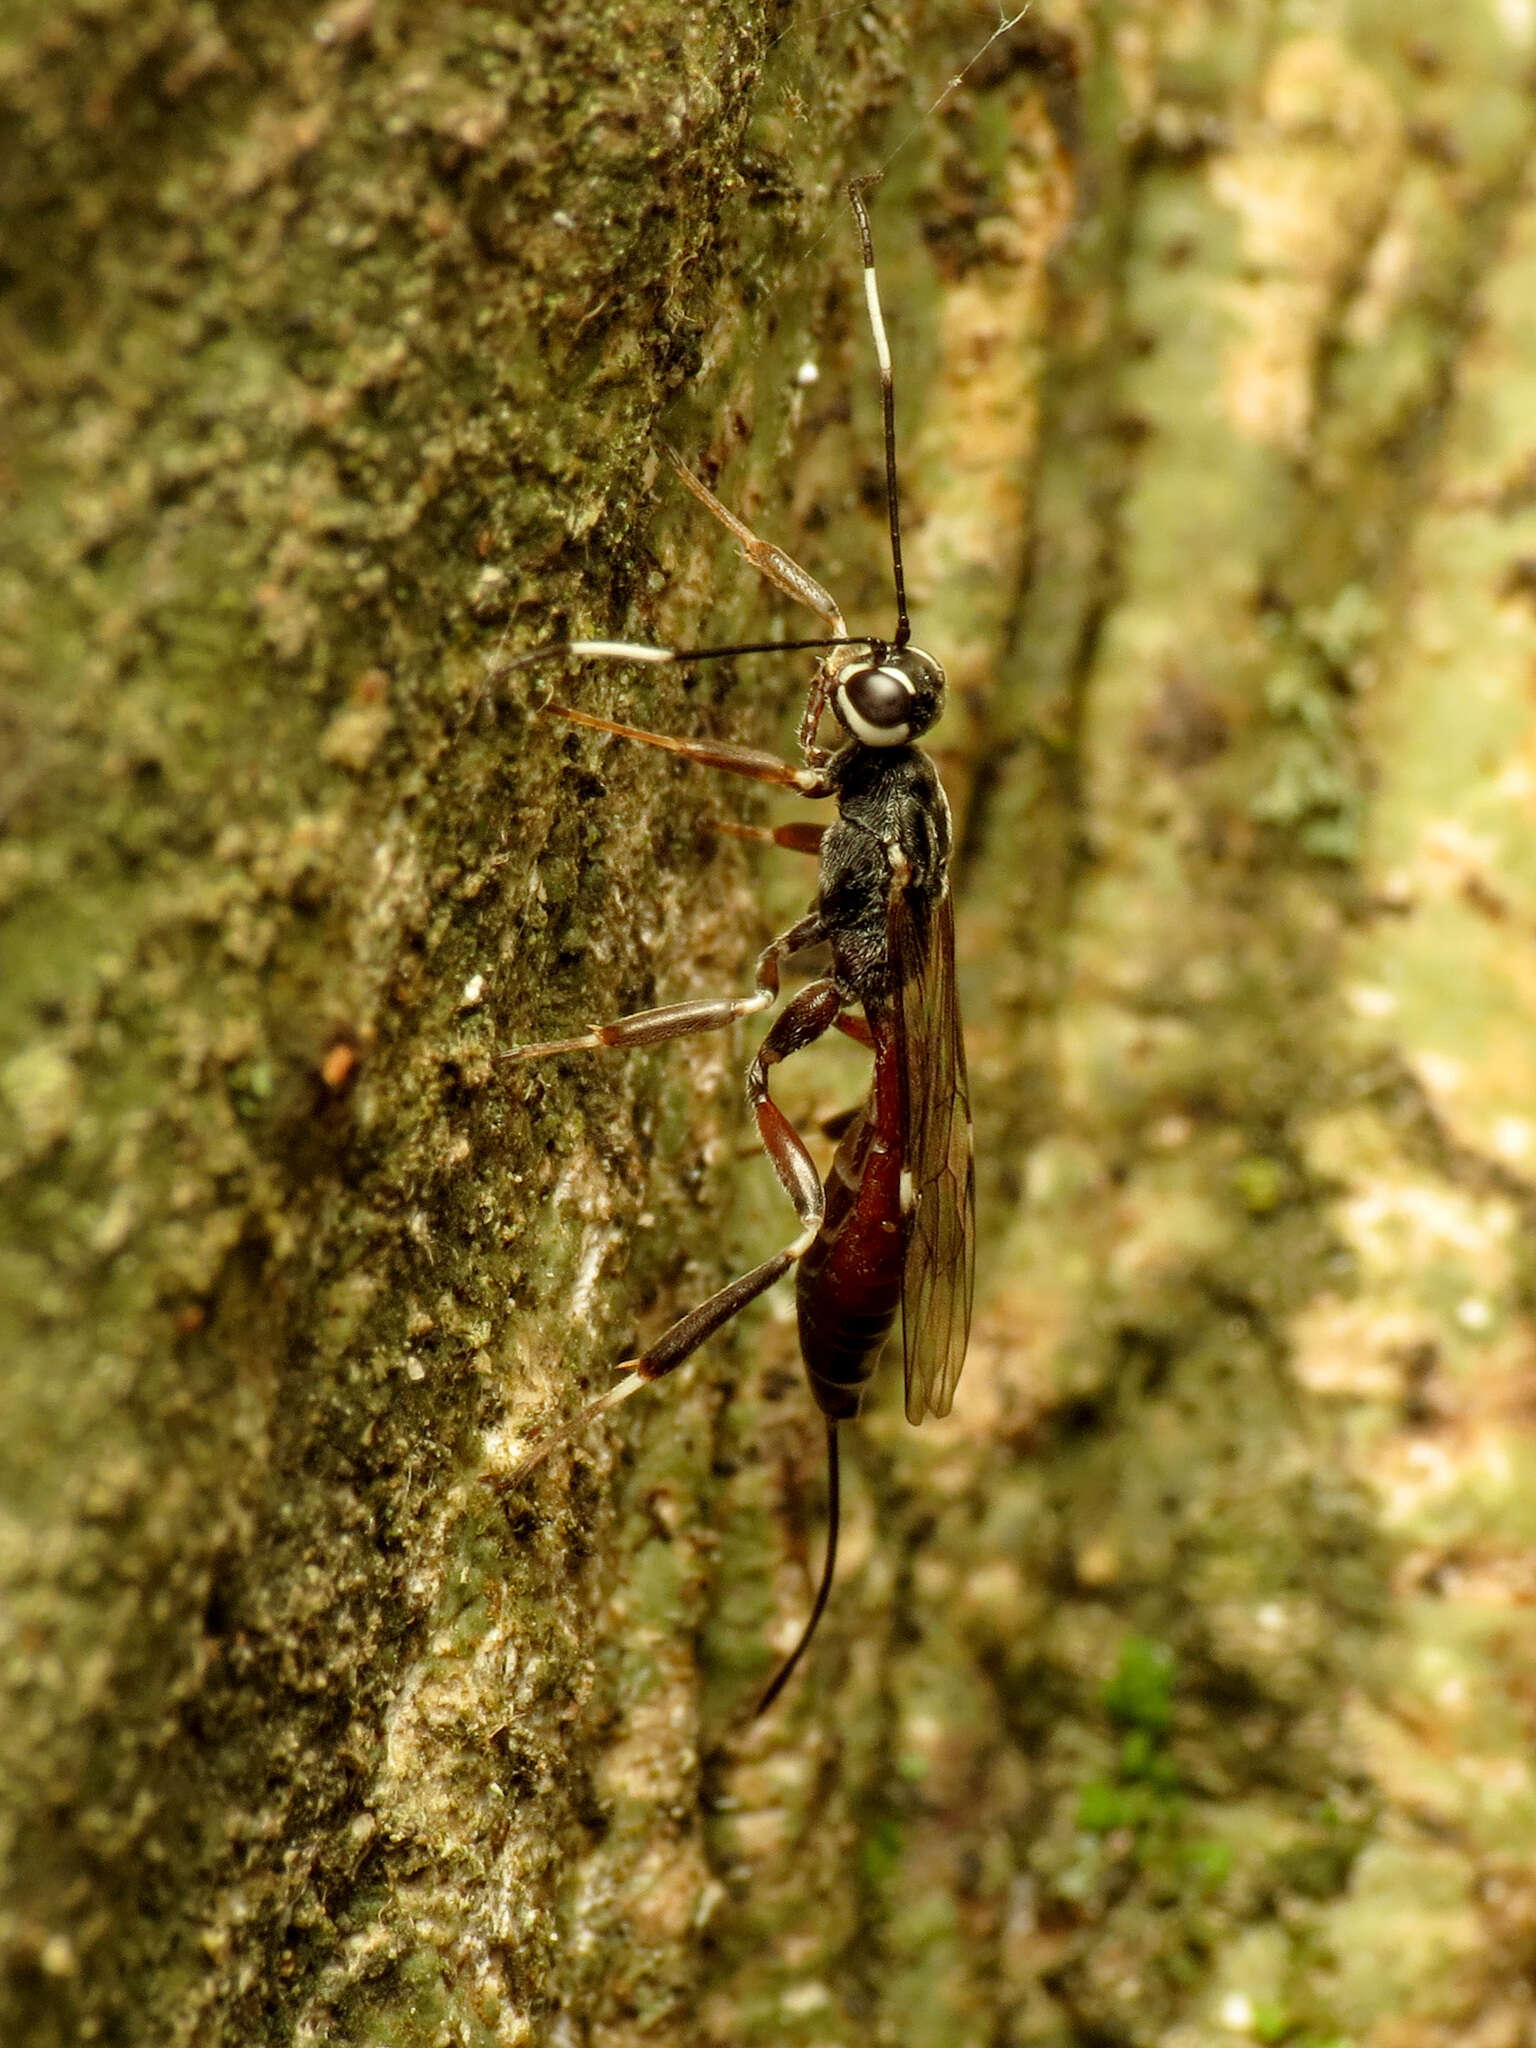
(1180,1688)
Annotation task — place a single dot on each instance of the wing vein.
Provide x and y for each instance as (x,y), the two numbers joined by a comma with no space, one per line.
(938,1275)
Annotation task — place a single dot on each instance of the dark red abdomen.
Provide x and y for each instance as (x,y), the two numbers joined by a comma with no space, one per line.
(849,1284)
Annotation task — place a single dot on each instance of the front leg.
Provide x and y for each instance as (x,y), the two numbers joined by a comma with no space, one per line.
(725,755)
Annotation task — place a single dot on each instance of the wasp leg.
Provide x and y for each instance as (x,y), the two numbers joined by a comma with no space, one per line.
(814,1011)
(669,1351)
(749,761)
(795,838)
(780,569)
(681,1020)
(811,1013)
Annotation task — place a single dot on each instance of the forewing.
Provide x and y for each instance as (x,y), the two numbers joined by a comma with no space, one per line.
(939,1273)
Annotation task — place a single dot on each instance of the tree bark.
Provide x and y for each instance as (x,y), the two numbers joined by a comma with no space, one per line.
(1177,1690)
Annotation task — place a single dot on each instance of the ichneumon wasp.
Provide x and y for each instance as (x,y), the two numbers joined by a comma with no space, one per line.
(893,1226)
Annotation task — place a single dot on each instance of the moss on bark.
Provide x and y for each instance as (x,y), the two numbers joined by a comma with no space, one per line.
(1177,1690)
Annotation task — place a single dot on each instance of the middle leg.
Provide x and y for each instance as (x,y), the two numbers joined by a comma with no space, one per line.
(814,1011)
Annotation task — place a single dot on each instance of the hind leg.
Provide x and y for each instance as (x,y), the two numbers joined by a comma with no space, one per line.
(812,1012)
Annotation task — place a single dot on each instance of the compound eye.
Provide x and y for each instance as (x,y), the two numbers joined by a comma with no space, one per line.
(876,706)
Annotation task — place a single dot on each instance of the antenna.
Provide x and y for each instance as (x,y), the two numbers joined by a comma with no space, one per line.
(856,193)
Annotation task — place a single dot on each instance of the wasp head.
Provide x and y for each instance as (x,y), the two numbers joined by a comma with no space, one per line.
(890,697)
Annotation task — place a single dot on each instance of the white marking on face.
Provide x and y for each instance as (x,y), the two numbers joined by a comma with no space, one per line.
(871,735)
